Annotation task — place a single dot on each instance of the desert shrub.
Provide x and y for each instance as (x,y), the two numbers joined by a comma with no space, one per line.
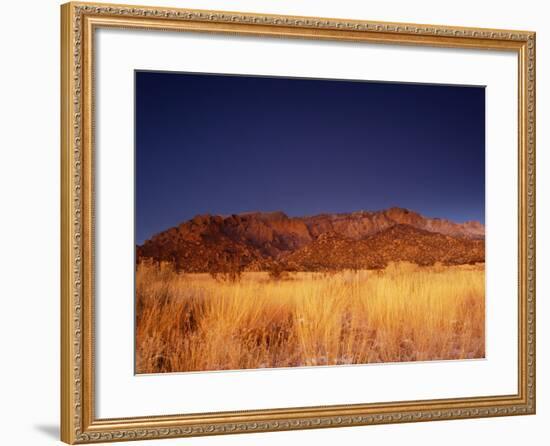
(277,271)
(226,276)
(230,271)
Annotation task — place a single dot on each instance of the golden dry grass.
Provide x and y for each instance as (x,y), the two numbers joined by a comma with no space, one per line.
(192,322)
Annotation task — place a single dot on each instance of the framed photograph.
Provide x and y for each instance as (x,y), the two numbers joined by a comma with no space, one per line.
(276,223)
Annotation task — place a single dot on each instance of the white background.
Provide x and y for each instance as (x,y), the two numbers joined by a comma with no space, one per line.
(119,53)
(29,227)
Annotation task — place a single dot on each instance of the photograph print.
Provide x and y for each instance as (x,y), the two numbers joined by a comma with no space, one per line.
(293,222)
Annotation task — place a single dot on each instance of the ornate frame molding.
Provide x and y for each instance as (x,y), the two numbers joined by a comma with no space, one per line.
(78,424)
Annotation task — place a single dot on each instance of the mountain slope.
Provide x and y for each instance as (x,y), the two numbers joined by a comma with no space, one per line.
(256,241)
(397,243)
(360,224)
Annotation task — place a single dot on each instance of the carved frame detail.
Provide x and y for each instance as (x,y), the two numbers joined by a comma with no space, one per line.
(77,399)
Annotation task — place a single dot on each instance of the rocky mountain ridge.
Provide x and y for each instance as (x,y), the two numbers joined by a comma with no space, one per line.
(260,240)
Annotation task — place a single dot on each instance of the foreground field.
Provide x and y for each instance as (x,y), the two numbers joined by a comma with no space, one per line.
(194,322)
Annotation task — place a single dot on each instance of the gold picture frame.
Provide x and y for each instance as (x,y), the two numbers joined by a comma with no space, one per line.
(78,24)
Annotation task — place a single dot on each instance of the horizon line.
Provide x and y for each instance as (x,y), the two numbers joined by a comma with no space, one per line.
(302,216)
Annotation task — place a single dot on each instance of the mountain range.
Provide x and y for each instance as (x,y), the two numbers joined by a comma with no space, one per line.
(258,241)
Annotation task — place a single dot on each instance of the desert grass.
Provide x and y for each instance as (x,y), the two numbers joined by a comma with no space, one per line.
(193,322)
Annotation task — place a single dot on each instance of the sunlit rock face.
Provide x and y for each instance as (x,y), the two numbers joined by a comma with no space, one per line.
(363,239)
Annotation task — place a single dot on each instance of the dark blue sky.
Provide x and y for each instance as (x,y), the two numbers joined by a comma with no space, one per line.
(229,144)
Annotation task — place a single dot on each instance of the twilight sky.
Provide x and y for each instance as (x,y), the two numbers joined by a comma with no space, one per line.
(229,144)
